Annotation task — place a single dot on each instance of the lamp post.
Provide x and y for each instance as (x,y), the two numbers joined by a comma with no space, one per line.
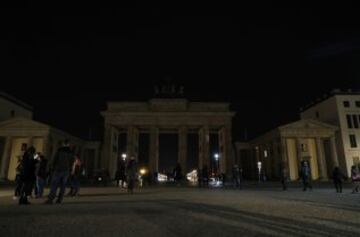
(216,157)
(123,155)
(259,168)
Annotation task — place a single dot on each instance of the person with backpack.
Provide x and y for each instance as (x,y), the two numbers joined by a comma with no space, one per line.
(61,165)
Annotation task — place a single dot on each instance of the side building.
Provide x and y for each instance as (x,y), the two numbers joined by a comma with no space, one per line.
(19,130)
(341,109)
(287,147)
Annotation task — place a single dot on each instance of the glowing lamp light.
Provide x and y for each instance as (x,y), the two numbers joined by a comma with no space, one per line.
(142,171)
(216,156)
(123,156)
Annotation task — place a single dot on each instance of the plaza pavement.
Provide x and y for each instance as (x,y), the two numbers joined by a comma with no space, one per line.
(185,211)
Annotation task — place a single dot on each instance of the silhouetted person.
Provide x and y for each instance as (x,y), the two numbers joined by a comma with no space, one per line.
(236,176)
(306,176)
(284,178)
(18,179)
(199,177)
(41,175)
(355,178)
(338,177)
(61,166)
(131,175)
(177,173)
(205,176)
(120,174)
(74,177)
(27,175)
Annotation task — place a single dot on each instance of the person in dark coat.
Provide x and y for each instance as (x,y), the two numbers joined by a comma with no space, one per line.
(18,179)
(338,177)
(120,176)
(236,176)
(284,178)
(177,173)
(61,166)
(131,175)
(27,175)
(205,176)
(74,177)
(306,176)
(41,174)
(199,177)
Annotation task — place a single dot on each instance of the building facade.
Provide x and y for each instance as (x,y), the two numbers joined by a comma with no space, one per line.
(157,116)
(17,133)
(18,130)
(287,146)
(341,109)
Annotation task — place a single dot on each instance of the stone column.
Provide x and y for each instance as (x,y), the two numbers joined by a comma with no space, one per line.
(154,150)
(225,149)
(132,147)
(298,150)
(204,139)
(284,155)
(182,148)
(114,155)
(5,159)
(107,149)
(334,151)
(275,162)
(321,159)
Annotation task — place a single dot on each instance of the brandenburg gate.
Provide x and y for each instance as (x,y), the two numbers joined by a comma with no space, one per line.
(167,116)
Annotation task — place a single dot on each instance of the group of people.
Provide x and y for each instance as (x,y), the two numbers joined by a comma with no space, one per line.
(126,174)
(33,173)
(30,175)
(337,176)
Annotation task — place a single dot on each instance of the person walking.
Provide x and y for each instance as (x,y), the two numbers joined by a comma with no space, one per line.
(74,177)
(205,176)
(120,176)
(284,178)
(177,174)
(131,175)
(41,174)
(338,177)
(306,176)
(236,176)
(62,163)
(355,179)
(27,175)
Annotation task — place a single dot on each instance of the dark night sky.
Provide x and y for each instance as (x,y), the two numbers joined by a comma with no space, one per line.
(267,61)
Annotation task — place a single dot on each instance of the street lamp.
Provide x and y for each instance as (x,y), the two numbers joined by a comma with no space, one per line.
(123,156)
(259,167)
(217,156)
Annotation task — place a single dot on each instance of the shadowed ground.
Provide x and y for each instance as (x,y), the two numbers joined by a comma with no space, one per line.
(169,211)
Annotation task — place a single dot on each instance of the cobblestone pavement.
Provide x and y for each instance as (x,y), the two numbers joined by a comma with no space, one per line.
(171,211)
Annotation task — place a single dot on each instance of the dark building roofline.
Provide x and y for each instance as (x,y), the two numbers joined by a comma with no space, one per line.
(15,101)
(326,96)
